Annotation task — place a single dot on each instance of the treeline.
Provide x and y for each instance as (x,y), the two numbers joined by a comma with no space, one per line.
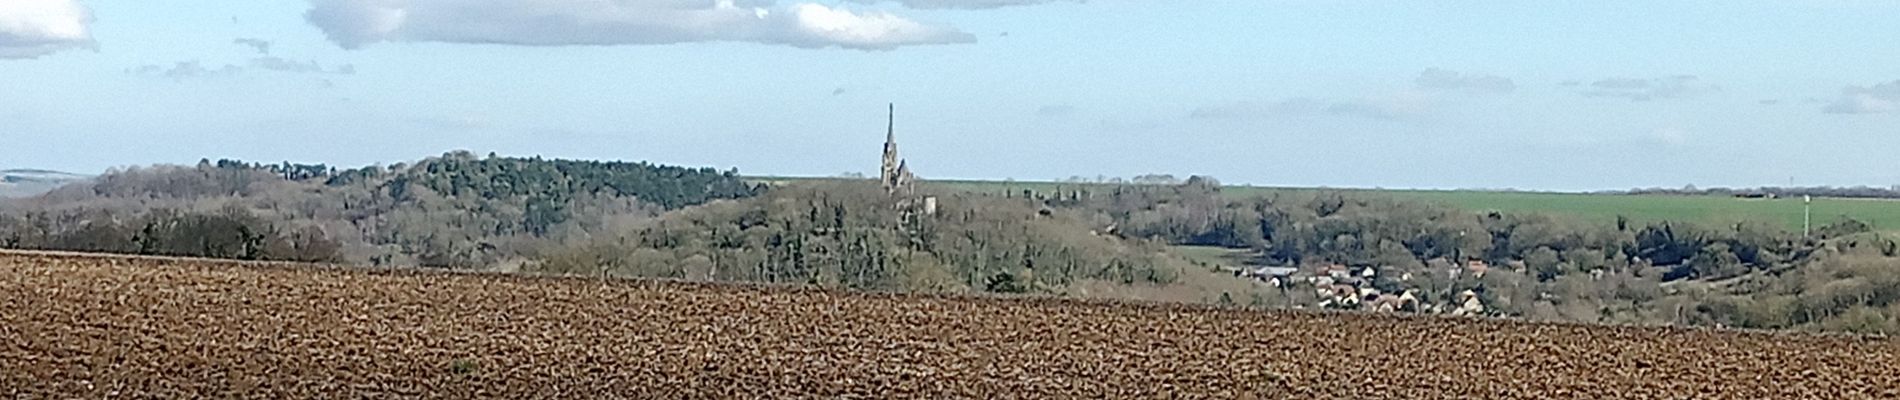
(1862,192)
(1300,228)
(457,210)
(1855,290)
(232,232)
(852,234)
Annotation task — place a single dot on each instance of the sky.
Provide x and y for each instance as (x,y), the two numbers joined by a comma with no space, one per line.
(1338,93)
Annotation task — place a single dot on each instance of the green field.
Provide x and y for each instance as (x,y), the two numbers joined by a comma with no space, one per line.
(1706,210)
(1787,213)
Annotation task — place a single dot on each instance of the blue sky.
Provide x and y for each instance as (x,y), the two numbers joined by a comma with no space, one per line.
(1467,94)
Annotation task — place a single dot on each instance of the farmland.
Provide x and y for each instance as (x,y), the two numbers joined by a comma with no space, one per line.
(1600,208)
(102,326)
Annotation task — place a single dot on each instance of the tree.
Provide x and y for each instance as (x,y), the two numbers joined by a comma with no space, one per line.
(1716,261)
(1545,263)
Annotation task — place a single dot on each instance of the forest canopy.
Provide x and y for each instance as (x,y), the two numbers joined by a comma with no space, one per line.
(456,210)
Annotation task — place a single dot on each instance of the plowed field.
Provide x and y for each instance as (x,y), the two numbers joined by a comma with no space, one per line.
(94,326)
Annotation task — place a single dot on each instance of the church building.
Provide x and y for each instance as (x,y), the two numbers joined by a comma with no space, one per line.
(894,173)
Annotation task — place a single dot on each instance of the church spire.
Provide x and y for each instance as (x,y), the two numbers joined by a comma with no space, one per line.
(887,172)
(894,173)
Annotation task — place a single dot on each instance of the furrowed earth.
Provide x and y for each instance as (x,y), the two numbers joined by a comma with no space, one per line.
(110,326)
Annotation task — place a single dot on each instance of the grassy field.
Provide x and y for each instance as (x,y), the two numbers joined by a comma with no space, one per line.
(1707,210)
(1214,255)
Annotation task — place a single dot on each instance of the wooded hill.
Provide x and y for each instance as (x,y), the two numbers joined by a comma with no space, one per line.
(456,210)
(853,234)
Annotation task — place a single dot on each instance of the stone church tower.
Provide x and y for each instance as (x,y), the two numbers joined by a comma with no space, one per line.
(894,174)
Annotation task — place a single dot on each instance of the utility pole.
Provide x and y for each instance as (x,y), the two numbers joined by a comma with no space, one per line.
(1807,214)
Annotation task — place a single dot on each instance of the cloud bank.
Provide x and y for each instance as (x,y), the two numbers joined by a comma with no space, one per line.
(281,64)
(260,45)
(1646,89)
(354,24)
(1877,99)
(34,28)
(184,70)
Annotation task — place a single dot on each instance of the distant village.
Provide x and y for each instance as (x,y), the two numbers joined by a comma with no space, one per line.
(1338,286)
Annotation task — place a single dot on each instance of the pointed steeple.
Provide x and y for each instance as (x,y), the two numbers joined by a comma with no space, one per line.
(887,172)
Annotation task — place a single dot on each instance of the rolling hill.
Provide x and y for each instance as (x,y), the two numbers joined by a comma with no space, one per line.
(16,183)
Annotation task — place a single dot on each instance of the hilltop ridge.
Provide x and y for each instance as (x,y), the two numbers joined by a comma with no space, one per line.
(27,182)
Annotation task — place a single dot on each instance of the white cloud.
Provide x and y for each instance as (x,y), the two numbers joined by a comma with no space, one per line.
(357,23)
(260,45)
(1439,79)
(193,69)
(281,64)
(1876,99)
(963,4)
(185,70)
(33,28)
(1646,89)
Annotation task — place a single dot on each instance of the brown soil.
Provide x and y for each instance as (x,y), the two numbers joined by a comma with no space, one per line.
(100,326)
